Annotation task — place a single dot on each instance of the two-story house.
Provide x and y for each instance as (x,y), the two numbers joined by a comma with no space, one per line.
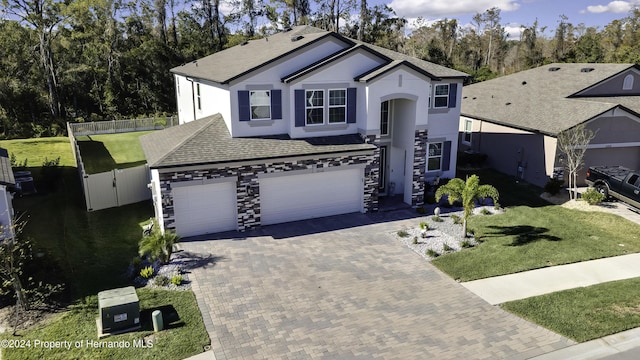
(516,119)
(301,124)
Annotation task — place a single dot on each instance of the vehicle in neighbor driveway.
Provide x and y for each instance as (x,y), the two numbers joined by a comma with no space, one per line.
(616,181)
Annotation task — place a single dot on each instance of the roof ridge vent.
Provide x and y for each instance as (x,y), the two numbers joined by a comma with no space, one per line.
(554,69)
(296,38)
(587,69)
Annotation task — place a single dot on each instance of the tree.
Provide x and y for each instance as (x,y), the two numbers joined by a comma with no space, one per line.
(468,193)
(572,144)
(44,16)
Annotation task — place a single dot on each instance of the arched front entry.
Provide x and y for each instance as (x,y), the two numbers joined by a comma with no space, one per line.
(401,173)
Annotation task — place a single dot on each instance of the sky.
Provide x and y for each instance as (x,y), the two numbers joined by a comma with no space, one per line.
(515,13)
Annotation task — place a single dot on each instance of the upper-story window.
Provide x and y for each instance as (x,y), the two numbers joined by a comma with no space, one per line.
(314,106)
(384,118)
(441,96)
(260,102)
(198,97)
(337,106)
(628,82)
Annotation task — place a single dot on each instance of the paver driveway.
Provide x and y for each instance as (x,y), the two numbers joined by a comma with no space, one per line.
(311,290)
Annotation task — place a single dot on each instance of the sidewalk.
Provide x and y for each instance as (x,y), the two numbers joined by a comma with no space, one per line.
(500,289)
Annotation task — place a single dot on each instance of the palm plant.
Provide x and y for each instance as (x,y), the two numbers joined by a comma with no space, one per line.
(467,193)
(158,246)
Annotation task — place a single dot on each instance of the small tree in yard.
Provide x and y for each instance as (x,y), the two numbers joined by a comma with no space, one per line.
(158,246)
(467,193)
(572,143)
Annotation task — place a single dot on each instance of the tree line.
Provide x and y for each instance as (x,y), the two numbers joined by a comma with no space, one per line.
(89,60)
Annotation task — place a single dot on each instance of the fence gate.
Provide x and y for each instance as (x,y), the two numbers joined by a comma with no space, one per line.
(100,191)
(117,187)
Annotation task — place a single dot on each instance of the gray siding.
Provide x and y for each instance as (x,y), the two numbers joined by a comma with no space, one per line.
(613,86)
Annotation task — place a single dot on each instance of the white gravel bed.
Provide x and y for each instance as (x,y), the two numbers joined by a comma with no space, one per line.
(441,235)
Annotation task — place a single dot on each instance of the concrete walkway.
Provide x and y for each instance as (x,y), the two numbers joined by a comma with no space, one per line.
(500,289)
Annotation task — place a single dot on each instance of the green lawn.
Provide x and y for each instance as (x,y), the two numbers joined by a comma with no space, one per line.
(512,192)
(90,252)
(185,337)
(36,151)
(111,151)
(584,314)
(525,238)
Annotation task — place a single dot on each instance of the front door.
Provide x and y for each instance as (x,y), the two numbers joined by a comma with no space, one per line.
(384,171)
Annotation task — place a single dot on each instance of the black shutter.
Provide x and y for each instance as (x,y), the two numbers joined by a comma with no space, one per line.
(446,155)
(300,120)
(276,104)
(244,106)
(453,94)
(352,101)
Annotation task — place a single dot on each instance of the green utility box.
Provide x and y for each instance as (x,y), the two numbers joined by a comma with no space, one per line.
(119,310)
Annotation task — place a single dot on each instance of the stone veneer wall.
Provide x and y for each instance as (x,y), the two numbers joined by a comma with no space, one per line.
(419,167)
(248,185)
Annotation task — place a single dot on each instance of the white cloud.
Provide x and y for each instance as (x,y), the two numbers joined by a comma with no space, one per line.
(513,30)
(617,7)
(448,8)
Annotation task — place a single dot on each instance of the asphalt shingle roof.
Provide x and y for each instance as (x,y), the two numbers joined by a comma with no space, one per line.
(229,64)
(6,172)
(539,99)
(207,141)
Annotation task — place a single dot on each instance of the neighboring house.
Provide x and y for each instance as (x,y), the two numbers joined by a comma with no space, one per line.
(301,124)
(7,181)
(515,119)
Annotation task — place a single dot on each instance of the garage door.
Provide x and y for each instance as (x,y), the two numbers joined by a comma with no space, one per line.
(205,209)
(306,196)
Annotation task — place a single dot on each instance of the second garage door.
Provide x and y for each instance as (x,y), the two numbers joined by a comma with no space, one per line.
(205,209)
(306,196)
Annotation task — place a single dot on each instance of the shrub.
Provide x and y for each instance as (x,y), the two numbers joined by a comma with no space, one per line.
(466,243)
(161,280)
(432,253)
(421,210)
(415,240)
(593,196)
(158,246)
(496,206)
(146,272)
(485,211)
(176,280)
(402,233)
(553,186)
(424,225)
(456,219)
(447,248)
(436,218)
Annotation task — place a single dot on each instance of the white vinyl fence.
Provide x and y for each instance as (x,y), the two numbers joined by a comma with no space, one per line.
(119,186)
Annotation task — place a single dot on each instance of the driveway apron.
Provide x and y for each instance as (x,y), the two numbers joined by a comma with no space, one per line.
(344,288)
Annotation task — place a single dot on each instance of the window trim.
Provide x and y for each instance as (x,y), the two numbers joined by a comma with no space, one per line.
(251,118)
(388,118)
(467,132)
(446,96)
(198,98)
(307,108)
(441,156)
(329,106)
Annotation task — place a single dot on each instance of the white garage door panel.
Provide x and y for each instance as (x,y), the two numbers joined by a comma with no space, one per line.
(205,209)
(298,197)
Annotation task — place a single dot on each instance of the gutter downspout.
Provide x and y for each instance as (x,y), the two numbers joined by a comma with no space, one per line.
(193,98)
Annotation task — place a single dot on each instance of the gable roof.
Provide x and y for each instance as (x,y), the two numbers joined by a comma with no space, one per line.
(207,141)
(542,99)
(250,56)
